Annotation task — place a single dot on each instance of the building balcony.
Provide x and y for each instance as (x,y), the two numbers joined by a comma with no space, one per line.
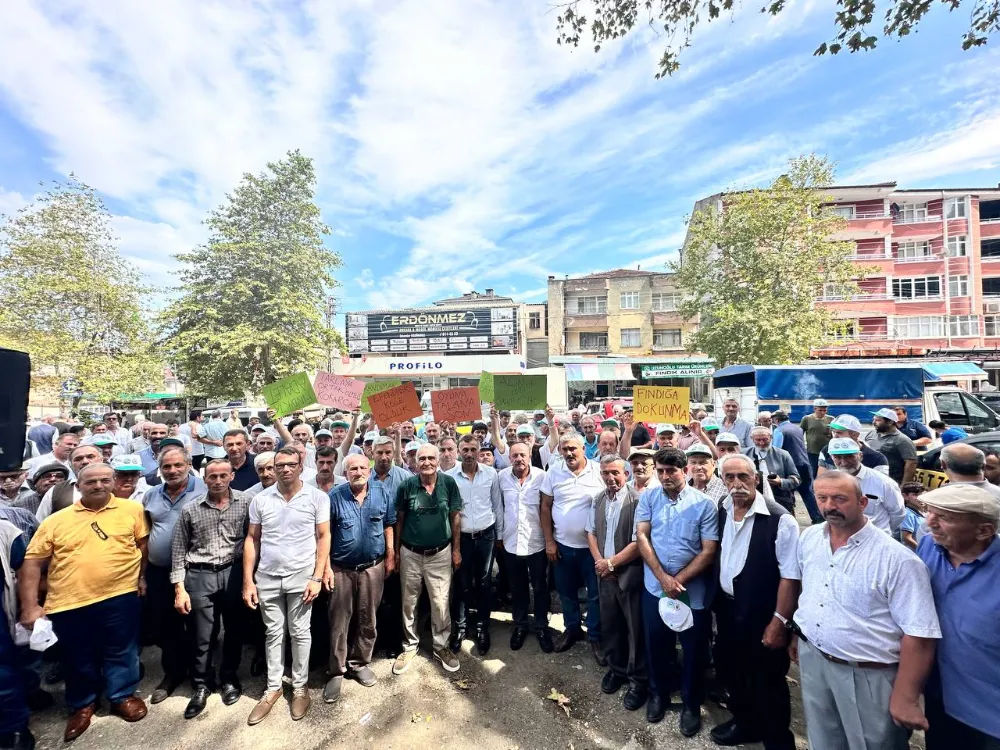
(857,297)
(878,257)
(928,298)
(667,347)
(920,219)
(930,257)
(588,349)
(586,320)
(865,215)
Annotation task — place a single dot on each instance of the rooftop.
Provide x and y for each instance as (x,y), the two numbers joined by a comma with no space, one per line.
(616,273)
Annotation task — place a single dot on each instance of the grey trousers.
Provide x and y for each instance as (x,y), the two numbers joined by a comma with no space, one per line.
(623,641)
(353,603)
(434,571)
(847,708)
(281,607)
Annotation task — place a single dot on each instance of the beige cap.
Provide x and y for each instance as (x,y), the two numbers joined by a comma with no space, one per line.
(963,498)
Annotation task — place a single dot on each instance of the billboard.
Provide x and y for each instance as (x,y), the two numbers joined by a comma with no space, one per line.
(434,330)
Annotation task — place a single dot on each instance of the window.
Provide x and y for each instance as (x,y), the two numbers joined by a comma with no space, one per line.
(949,406)
(847,329)
(593,342)
(957,246)
(591,305)
(954,208)
(991,286)
(670,339)
(918,327)
(630,300)
(845,212)
(963,325)
(992,323)
(911,250)
(631,337)
(663,302)
(978,415)
(958,286)
(916,287)
(990,249)
(913,212)
(535,321)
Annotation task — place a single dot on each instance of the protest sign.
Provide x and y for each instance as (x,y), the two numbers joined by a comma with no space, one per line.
(377,387)
(338,391)
(519,391)
(395,405)
(654,403)
(486,387)
(288,394)
(456,405)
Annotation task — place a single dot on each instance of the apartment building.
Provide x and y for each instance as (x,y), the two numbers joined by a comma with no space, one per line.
(533,327)
(615,329)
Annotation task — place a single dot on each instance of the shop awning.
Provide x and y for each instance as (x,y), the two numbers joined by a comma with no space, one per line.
(940,370)
(599,371)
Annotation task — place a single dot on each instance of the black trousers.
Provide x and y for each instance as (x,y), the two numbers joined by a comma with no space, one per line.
(523,570)
(755,676)
(216,604)
(471,587)
(164,626)
(196,461)
(946,733)
(623,641)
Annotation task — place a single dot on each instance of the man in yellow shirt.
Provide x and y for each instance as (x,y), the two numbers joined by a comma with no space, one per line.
(96,555)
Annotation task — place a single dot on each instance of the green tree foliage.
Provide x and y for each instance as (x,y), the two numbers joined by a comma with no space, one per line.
(677,19)
(251,302)
(752,271)
(70,300)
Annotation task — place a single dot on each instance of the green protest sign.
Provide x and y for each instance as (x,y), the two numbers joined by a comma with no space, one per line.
(519,391)
(486,387)
(288,394)
(376,387)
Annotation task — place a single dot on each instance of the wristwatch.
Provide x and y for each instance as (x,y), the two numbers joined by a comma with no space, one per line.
(611,565)
(782,619)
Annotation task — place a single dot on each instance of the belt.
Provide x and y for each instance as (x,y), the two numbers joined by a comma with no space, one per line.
(857,664)
(481,532)
(425,551)
(209,566)
(362,566)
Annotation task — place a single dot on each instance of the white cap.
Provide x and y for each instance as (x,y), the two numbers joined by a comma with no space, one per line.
(886,414)
(820,402)
(261,427)
(664,428)
(371,435)
(675,614)
(413,445)
(127,462)
(699,449)
(727,437)
(842,447)
(846,422)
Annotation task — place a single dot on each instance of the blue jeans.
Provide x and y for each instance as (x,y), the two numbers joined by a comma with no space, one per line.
(575,567)
(472,582)
(807,474)
(661,643)
(13,685)
(100,647)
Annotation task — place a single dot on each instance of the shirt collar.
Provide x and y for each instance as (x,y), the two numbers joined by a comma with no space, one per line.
(859,537)
(986,556)
(757,508)
(112,504)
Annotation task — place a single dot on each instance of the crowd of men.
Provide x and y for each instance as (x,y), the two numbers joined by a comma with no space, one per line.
(318,541)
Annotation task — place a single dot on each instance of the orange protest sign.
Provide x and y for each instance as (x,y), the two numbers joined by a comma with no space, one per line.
(456,405)
(395,405)
(338,391)
(654,403)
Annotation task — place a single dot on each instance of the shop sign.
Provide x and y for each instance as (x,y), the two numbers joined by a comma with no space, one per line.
(679,370)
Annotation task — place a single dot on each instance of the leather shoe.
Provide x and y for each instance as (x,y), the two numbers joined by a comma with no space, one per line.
(197,703)
(78,722)
(517,637)
(566,640)
(164,690)
(599,657)
(17,741)
(263,707)
(483,641)
(300,703)
(130,709)
(656,708)
(729,734)
(634,698)
(612,683)
(364,676)
(331,692)
(545,641)
(455,644)
(230,692)
(690,722)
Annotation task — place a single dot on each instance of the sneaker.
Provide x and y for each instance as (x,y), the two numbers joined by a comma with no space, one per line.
(402,662)
(448,660)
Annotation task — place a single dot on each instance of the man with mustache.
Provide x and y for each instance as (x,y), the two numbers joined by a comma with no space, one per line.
(885,502)
(701,472)
(866,624)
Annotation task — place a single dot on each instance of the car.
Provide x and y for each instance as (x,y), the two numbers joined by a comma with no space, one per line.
(990,398)
(606,407)
(929,472)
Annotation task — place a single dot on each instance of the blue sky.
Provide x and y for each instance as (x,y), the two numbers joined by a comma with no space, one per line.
(457,146)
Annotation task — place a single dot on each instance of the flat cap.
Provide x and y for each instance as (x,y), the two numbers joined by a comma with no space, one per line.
(963,498)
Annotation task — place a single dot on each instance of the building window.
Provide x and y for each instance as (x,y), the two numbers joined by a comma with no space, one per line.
(963,325)
(918,327)
(957,246)
(913,212)
(990,248)
(958,286)
(917,287)
(991,286)
(844,212)
(669,339)
(663,302)
(591,305)
(992,323)
(954,208)
(913,250)
(535,321)
(631,337)
(630,300)
(593,342)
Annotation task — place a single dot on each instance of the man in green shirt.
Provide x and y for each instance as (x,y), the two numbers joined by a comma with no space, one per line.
(428,543)
(816,427)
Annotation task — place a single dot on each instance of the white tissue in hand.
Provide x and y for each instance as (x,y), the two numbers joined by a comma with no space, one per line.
(42,635)
(22,636)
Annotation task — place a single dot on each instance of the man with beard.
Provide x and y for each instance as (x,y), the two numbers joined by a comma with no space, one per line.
(894,445)
(432,433)
(885,505)
(155,433)
(775,467)
(641,462)
(263,443)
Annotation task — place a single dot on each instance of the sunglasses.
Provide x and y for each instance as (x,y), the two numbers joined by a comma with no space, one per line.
(99,531)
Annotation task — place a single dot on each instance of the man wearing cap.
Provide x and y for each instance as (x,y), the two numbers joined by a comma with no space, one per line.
(885,507)
(66,493)
(154,433)
(962,555)
(325,480)
(758,579)
(13,486)
(589,432)
(109,448)
(234,442)
(734,424)
(612,541)
(727,443)
(816,427)
(866,614)
(263,442)
(129,483)
(677,533)
(894,445)
(914,430)
(764,420)
(965,464)
(641,462)
(848,426)
(42,480)
(775,468)
(701,473)
(526,434)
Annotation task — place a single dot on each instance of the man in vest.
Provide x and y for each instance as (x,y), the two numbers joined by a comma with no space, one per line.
(612,540)
(758,587)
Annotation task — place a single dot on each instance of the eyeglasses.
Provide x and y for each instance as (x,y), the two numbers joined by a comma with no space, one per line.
(99,531)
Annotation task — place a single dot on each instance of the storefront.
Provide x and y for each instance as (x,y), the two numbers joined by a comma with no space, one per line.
(432,372)
(693,374)
(614,378)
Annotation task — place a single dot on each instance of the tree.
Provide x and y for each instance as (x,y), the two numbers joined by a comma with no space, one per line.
(677,19)
(70,300)
(753,271)
(251,305)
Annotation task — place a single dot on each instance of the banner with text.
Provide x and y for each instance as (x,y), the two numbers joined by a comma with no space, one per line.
(289,394)
(395,405)
(486,387)
(337,391)
(456,405)
(654,403)
(519,391)
(376,387)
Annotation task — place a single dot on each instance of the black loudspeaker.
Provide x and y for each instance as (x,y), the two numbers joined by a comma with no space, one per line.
(15,381)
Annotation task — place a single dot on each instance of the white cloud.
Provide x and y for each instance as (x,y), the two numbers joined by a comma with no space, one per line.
(10,202)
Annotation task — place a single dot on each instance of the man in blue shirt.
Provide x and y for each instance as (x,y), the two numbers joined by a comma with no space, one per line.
(962,554)
(914,430)
(733,423)
(678,535)
(793,440)
(361,532)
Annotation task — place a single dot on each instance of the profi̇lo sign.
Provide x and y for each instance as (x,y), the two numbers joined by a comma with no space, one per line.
(430,365)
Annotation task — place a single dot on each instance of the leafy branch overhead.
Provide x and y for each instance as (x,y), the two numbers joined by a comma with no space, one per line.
(678,19)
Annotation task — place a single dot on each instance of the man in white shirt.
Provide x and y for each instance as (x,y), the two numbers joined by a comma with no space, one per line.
(482,526)
(567,494)
(62,447)
(210,435)
(867,623)
(758,589)
(524,545)
(117,433)
(885,502)
(190,430)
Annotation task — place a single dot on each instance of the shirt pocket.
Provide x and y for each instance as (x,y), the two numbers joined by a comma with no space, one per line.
(377,524)
(983,631)
(856,598)
(347,528)
(688,529)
